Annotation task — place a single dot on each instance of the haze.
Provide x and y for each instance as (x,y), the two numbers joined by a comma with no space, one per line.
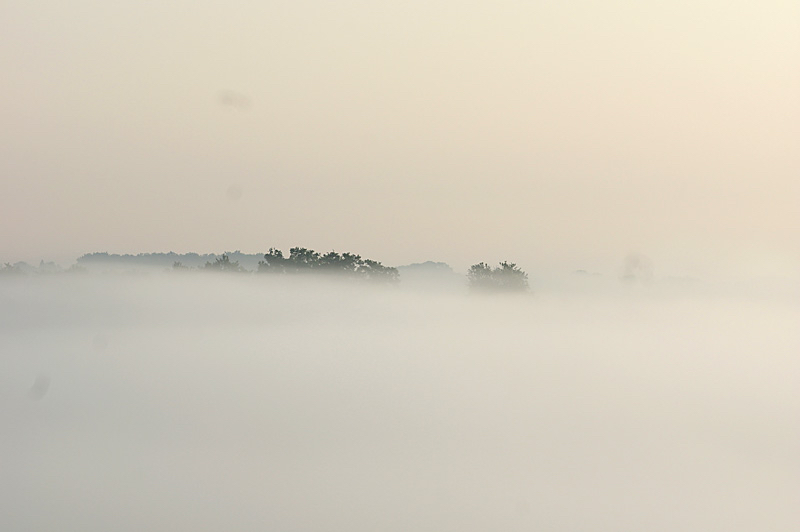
(561,134)
(216,402)
(638,160)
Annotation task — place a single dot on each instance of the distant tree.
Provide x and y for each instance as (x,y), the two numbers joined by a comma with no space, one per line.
(273,262)
(507,277)
(350,262)
(224,264)
(48,267)
(302,260)
(76,269)
(480,277)
(637,267)
(511,278)
(179,266)
(10,269)
(335,263)
(375,271)
(330,262)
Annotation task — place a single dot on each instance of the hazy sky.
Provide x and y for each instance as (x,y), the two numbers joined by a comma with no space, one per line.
(566,133)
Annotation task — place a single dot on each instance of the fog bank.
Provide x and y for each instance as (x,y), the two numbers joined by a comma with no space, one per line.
(210,403)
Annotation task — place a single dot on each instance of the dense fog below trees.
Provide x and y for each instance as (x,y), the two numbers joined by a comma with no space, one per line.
(214,402)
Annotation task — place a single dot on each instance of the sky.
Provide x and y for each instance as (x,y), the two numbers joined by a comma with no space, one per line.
(553,134)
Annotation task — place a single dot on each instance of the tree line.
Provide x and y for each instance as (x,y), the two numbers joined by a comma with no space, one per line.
(506,277)
(481,277)
(308,261)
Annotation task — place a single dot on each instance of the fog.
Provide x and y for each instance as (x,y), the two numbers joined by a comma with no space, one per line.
(637,159)
(210,402)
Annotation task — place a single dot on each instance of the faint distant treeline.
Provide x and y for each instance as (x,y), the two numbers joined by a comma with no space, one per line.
(249,261)
(23,268)
(299,261)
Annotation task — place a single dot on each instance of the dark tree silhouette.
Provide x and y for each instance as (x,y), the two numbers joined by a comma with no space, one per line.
(511,278)
(303,260)
(375,271)
(273,262)
(333,262)
(507,277)
(480,277)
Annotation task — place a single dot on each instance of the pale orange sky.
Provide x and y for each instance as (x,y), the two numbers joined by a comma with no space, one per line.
(561,133)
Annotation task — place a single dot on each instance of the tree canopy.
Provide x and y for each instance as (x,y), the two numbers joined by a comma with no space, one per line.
(303,260)
(507,277)
(221,264)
